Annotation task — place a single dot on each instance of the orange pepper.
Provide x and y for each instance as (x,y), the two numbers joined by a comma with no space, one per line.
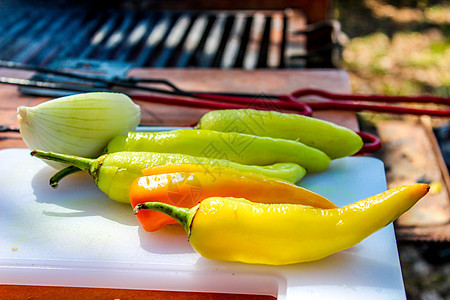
(185,185)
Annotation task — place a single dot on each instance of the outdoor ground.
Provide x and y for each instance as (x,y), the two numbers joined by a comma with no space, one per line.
(402,48)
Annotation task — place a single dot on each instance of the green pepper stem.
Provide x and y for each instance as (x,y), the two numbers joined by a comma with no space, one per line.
(76,161)
(182,215)
(55,179)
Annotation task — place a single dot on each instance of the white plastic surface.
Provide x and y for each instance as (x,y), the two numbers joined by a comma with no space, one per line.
(76,236)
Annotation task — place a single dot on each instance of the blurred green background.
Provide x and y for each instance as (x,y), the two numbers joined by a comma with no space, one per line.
(396,47)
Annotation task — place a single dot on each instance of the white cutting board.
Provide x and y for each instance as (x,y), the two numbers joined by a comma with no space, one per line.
(76,236)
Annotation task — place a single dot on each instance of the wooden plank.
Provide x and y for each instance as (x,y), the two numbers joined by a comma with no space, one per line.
(254,81)
(410,156)
(69,293)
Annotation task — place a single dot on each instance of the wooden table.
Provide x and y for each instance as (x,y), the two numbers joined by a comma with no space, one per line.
(259,81)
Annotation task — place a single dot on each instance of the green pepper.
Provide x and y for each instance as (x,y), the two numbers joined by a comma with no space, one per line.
(336,141)
(113,173)
(237,147)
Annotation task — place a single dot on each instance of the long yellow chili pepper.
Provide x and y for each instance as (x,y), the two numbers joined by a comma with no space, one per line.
(233,229)
(113,173)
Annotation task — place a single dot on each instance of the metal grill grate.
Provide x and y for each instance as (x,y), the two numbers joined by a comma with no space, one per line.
(222,39)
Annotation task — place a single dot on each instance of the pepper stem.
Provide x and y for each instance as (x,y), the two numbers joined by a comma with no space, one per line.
(55,179)
(182,215)
(82,163)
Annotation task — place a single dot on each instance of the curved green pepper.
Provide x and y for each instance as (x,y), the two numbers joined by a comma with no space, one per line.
(336,141)
(113,173)
(237,147)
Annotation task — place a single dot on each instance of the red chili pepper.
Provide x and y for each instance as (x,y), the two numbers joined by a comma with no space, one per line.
(185,185)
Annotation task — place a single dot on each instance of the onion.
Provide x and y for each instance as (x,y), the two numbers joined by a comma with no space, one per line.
(80,124)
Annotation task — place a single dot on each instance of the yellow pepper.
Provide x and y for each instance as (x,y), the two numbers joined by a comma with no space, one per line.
(234,229)
(114,172)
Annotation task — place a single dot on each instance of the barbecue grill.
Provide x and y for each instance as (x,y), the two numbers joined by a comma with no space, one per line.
(148,34)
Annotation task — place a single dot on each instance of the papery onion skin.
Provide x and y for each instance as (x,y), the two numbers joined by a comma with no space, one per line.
(80,124)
